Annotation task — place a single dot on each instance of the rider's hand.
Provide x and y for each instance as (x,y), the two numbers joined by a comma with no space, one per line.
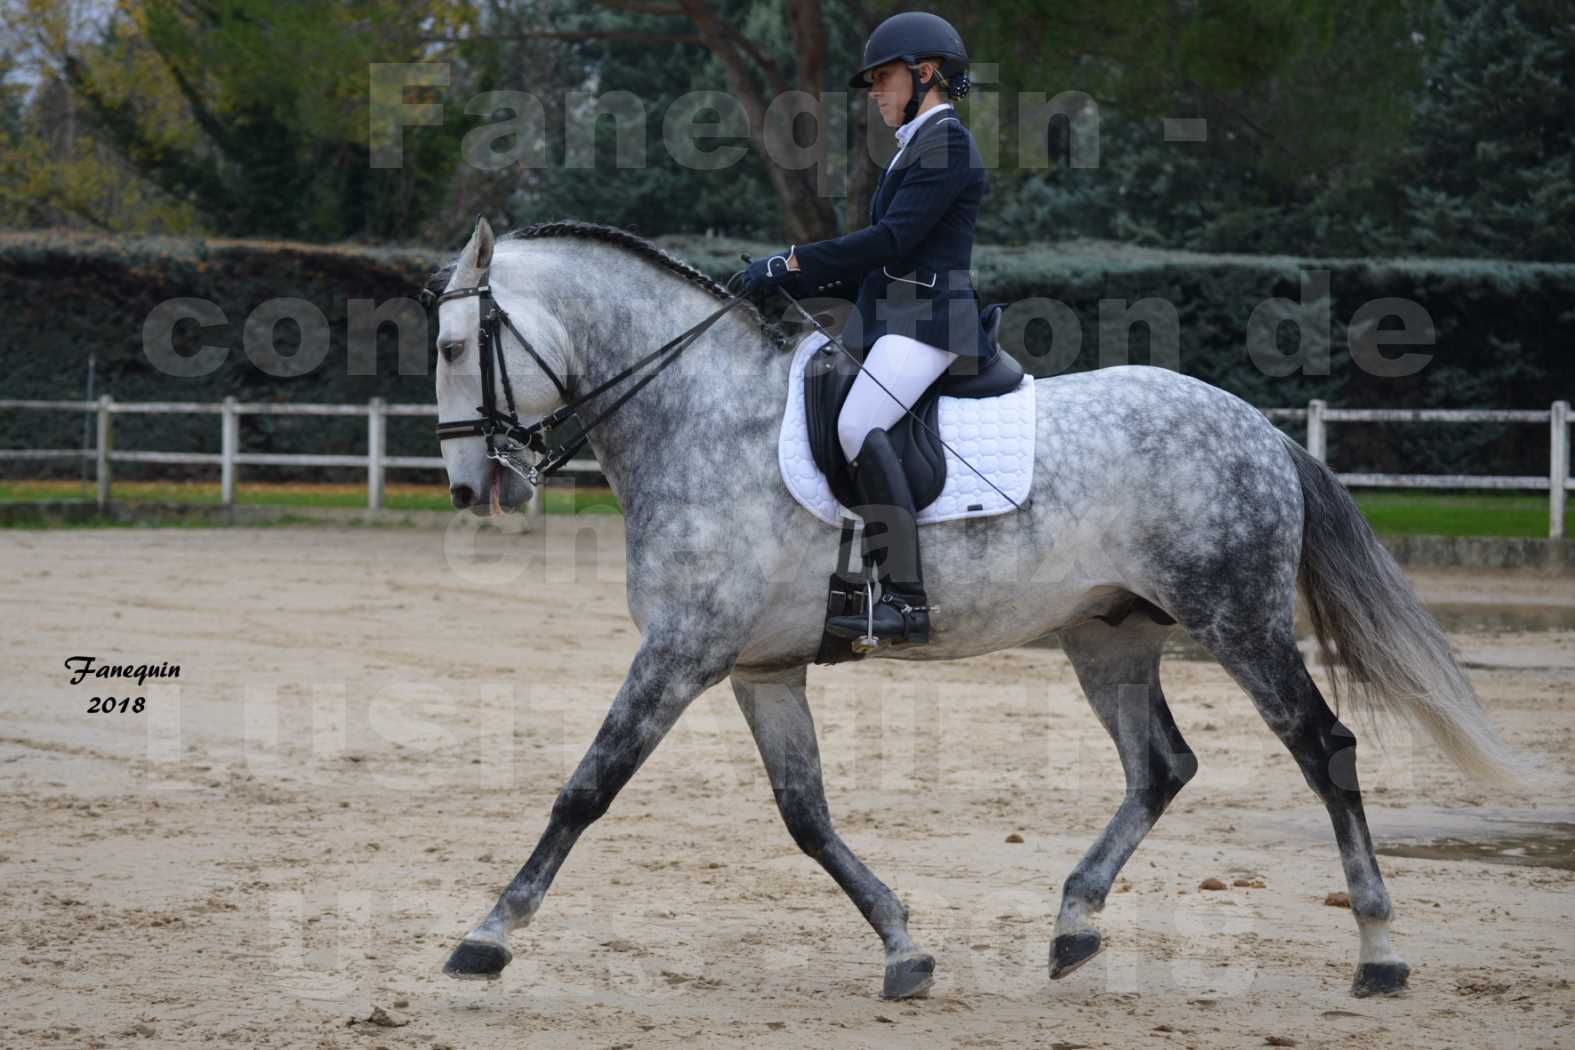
(765,275)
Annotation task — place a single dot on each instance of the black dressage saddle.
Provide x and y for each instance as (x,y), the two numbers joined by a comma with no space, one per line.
(828,375)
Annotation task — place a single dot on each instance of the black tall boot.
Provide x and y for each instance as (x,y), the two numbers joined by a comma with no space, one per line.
(891,541)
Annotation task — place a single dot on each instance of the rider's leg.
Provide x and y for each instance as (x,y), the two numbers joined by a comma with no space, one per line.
(905,368)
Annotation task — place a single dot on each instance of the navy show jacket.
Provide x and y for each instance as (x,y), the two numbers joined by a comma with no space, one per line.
(910,266)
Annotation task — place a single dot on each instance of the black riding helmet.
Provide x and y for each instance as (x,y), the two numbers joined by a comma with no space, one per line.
(911,37)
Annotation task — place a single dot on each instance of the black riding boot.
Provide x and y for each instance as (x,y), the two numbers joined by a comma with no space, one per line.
(891,541)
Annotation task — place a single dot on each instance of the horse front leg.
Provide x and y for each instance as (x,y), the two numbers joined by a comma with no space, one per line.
(777,711)
(661,682)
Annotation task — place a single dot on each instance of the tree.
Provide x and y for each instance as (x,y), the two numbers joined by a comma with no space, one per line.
(660,193)
(1493,164)
(55,170)
(1307,105)
(271,137)
(765,51)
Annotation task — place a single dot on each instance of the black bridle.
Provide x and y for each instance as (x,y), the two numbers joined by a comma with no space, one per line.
(498,427)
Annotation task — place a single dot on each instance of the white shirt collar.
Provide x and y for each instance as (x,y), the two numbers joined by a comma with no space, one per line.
(907,131)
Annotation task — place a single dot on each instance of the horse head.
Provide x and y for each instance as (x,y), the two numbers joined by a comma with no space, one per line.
(485,371)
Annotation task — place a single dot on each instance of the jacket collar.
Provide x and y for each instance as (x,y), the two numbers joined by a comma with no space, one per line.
(908,130)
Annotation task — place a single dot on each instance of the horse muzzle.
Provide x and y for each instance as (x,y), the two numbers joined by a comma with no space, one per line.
(501,491)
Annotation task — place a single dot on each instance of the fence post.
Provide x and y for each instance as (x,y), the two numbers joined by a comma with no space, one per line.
(1558,467)
(376,438)
(229,445)
(105,436)
(1317,443)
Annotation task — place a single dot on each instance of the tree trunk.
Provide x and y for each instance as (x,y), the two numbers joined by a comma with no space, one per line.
(806,215)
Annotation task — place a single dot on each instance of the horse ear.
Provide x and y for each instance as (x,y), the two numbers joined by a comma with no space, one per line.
(483,241)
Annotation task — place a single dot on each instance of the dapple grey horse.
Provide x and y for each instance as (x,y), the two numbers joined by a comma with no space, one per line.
(1155,498)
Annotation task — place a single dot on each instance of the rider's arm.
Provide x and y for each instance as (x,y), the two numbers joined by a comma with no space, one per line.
(937,175)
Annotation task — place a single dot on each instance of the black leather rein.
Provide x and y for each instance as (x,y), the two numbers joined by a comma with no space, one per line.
(495,425)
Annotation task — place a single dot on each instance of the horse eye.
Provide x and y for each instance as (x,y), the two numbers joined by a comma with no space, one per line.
(450,350)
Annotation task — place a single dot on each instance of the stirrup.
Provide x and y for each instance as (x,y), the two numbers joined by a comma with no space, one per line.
(868,643)
(907,624)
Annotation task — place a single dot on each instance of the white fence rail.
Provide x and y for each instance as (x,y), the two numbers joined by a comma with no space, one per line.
(376,459)
(1317,416)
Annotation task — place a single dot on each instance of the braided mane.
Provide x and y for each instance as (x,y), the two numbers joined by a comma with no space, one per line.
(595,231)
(644,249)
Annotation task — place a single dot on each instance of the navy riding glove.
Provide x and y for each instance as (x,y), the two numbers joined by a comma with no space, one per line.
(765,275)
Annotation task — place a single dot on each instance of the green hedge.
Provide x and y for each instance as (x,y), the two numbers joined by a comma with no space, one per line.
(1505,337)
(65,297)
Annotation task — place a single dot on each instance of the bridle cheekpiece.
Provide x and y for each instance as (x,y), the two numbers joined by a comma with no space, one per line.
(505,436)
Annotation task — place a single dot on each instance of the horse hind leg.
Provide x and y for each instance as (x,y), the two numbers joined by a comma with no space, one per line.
(1264,660)
(775,707)
(1118,667)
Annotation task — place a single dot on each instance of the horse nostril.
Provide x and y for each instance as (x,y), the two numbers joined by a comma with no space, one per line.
(462,495)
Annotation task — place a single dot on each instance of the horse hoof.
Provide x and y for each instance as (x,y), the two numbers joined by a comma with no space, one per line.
(1071,950)
(910,978)
(1380,979)
(477,961)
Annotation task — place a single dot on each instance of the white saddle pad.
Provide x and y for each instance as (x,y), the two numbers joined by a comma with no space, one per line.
(995,434)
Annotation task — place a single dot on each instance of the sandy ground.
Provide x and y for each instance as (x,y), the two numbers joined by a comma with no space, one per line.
(370,727)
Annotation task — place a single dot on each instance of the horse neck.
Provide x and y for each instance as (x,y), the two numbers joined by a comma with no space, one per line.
(725,390)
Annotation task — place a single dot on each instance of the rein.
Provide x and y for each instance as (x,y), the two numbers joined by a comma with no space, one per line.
(497,426)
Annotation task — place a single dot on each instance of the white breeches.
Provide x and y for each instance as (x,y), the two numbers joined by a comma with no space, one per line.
(906,367)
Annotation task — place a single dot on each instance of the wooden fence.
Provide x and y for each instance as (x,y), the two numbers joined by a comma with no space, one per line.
(375,460)
(1317,415)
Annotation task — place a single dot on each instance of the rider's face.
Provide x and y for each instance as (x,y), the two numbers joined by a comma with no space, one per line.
(891,87)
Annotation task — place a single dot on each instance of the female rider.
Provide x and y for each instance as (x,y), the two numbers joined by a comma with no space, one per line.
(917,311)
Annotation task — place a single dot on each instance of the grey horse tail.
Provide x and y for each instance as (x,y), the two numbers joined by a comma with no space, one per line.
(1381,647)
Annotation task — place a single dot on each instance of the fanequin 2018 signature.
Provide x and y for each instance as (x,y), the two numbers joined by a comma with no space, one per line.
(82,667)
